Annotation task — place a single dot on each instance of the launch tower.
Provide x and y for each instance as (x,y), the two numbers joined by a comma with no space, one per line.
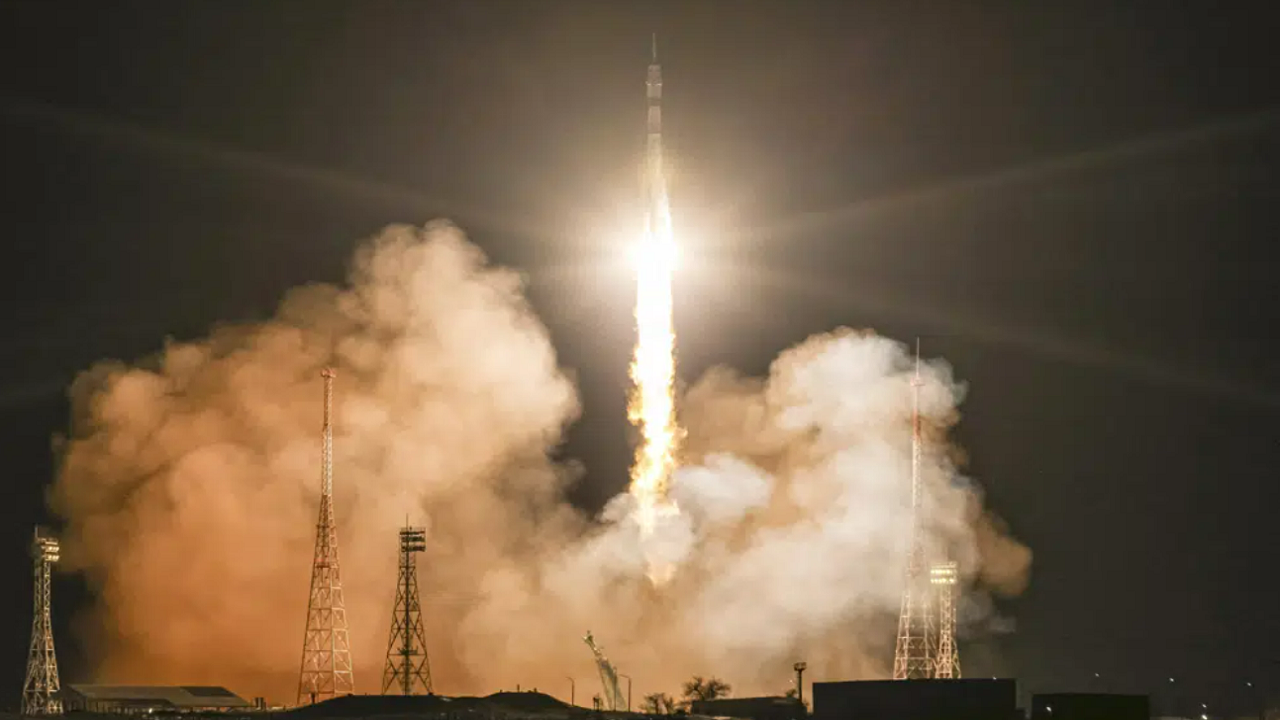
(326,648)
(614,700)
(915,656)
(40,691)
(407,663)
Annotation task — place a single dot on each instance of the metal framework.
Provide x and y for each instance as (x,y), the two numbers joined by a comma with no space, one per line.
(40,691)
(326,648)
(943,577)
(914,655)
(613,697)
(407,663)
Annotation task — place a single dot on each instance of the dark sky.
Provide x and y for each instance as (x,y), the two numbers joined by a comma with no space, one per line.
(1074,203)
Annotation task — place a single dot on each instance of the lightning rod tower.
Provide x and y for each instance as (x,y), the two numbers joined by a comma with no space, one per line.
(326,648)
(41,689)
(914,654)
(943,576)
(407,663)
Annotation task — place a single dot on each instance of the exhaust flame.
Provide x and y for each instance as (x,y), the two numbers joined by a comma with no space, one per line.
(652,405)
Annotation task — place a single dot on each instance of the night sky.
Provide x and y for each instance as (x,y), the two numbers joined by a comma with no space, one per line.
(1073,203)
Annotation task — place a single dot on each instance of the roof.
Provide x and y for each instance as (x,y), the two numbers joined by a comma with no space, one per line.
(181,696)
(506,704)
(750,707)
(764,700)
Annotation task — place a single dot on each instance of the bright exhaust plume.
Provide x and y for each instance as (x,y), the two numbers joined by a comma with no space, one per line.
(653,370)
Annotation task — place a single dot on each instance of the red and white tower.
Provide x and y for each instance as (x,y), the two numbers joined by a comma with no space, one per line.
(326,649)
(914,657)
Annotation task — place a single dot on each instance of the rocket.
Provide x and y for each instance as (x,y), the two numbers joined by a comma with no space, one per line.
(655,187)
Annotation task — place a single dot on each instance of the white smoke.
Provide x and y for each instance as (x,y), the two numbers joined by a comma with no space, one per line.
(190,484)
(722,489)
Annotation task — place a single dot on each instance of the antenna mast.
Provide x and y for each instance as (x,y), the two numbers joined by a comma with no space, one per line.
(914,655)
(407,662)
(41,689)
(326,649)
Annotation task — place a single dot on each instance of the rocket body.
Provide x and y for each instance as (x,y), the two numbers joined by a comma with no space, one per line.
(652,406)
(655,187)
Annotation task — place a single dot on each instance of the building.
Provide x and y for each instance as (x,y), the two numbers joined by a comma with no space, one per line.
(1089,706)
(757,708)
(150,698)
(970,699)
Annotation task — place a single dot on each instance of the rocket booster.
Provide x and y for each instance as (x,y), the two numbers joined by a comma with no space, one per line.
(654,186)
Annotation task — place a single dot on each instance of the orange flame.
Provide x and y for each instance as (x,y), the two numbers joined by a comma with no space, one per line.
(652,405)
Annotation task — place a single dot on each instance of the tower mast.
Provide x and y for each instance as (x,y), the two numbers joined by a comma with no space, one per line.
(407,663)
(914,655)
(326,649)
(41,688)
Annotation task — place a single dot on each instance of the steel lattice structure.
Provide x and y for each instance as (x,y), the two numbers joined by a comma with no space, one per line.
(326,648)
(613,699)
(407,662)
(947,663)
(40,691)
(914,655)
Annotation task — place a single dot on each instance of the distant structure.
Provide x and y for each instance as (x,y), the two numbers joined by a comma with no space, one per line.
(41,691)
(943,577)
(914,656)
(326,648)
(147,699)
(407,663)
(613,698)
(753,708)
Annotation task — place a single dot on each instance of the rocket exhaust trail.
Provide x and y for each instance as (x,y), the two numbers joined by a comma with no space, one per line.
(652,403)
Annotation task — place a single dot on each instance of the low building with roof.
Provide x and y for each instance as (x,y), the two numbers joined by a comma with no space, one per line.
(751,708)
(150,698)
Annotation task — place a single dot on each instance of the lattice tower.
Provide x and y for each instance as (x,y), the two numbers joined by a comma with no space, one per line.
(943,577)
(41,689)
(914,653)
(326,649)
(407,663)
(613,697)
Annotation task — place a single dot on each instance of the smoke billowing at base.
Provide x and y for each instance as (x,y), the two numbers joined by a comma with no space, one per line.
(190,484)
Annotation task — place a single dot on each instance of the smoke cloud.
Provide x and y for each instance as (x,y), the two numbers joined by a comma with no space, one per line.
(189,486)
